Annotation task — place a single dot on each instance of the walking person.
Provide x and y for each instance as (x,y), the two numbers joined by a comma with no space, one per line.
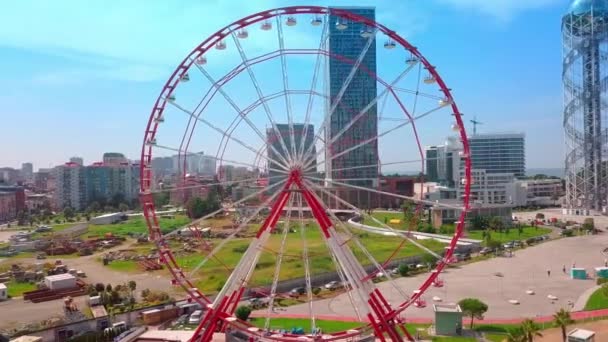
(548,273)
(564,269)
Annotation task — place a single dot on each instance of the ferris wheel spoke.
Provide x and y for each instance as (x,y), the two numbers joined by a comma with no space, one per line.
(237,109)
(261,96)
(418,93)
(277,268)
(306,259)
(189,187)
(286,86)
(322,43)
(173,149)
(361,247)
(374,138)
(387,228)
(242,225)
(413,199)
(226,135)
(338,98)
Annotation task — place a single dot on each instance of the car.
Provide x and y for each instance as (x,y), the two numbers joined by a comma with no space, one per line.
(508,245)
(257,303)
(333,285)
(259,292)
(394,271)
(296,292)
(517,244)
(42,229)
(486,250)
(196,317)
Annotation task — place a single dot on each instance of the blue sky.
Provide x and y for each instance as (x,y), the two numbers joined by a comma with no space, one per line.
(81,79)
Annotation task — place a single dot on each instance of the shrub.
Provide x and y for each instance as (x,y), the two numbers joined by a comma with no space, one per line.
(240,249)
(403,270)
(316,290)
(601,281)
(243,312)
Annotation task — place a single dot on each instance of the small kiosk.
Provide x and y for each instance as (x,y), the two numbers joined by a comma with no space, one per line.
(448,319)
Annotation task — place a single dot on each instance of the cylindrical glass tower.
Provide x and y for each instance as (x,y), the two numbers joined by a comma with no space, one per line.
(585,82)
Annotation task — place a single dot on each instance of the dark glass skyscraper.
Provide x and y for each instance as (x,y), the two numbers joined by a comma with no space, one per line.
(349,43)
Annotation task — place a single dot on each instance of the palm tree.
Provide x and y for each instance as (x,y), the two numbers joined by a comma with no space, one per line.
(530,329)
(562,319)
(515,335)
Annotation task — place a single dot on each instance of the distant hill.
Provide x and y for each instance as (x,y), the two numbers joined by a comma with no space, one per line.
(556,172)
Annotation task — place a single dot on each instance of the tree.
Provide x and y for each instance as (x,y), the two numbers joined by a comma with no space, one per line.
(428,259)
(588,224)
(94,207)
(479,222)
(196,207)
(123,207)
(316,290)
(515,335)
(243,312)
(540,216)
(132,285)
(108,208)
(68,213)
(530,329)
(497,223)
(99,287)
(109,288)
(161,198)
(404,269)
(562,319)
(473,307)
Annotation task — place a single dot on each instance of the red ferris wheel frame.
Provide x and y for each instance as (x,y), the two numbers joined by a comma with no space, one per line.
(384,322)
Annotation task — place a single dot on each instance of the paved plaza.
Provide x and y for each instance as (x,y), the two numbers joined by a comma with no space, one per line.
(526,270)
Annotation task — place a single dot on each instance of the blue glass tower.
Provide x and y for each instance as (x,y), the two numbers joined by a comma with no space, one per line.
(349,42)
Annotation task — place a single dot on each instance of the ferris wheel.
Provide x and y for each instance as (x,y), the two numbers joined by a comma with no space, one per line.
(305,111)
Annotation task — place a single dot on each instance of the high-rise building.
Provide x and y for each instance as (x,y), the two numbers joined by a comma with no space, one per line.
(274,140)
(499,153)
(77,160)
(27,171)
(108,182)
(585,51)
(114,158)
(345,39)
(443,162)
(70,186)
(41,180)
(208,166)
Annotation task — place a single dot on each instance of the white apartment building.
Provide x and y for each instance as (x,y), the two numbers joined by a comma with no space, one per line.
(70,186)
(494,188)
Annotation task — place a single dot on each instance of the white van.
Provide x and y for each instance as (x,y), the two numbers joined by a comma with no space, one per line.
(196,317)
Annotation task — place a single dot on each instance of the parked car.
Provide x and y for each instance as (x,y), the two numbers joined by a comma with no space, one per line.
(257,303)
(486,250)
(259,292)
(517,244)
(333,285)
(196,317)
(296,292)
(508,245)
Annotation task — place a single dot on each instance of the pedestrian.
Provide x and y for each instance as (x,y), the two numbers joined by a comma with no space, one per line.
(573,265)
(564,269)
(548,273)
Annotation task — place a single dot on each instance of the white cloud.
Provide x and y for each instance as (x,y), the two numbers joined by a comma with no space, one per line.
(503,10)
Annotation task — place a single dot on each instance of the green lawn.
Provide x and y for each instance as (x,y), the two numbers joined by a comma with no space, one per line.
(326,326)
(124,266)
(495,337)
(16,289)
(215,272)
(453,339)
(597,300)
(137,225)
(512,235)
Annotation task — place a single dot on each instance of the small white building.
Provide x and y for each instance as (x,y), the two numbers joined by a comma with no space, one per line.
(60,281)
(581,335)
(3,292)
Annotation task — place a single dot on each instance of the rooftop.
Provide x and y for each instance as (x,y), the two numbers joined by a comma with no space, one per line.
(59,277)
(581,334)
(446,308)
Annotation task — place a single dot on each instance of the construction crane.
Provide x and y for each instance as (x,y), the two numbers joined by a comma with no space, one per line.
(475,123)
